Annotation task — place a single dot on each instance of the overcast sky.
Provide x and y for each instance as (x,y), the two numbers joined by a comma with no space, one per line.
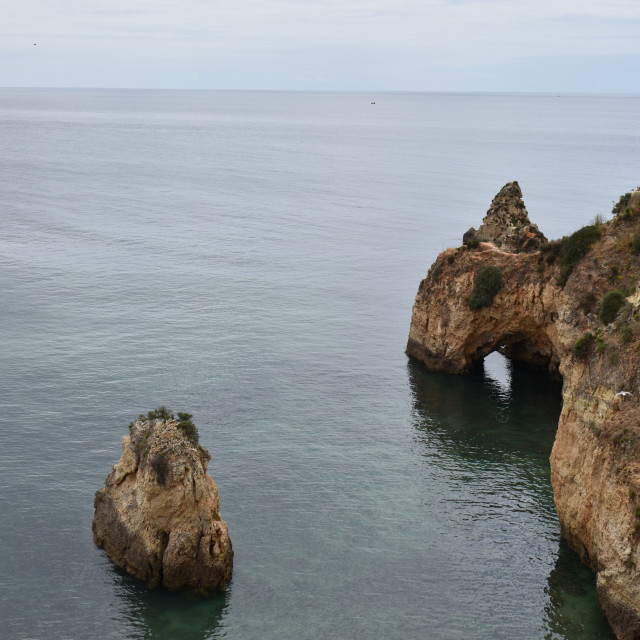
(414,45)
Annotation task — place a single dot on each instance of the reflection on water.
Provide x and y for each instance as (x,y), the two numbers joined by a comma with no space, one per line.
(481,415)
(497,425)
(498,370)
(570,612)
(159,615)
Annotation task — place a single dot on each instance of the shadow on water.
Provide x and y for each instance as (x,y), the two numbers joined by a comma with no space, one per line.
(497,410)
(507,415)
(570,612)
(155,614)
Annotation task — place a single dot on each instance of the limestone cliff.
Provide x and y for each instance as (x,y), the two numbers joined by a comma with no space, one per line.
(550,312)
(158,515)
(507,223)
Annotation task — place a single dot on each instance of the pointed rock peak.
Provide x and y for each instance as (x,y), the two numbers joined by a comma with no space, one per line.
(507,223)
(510,190)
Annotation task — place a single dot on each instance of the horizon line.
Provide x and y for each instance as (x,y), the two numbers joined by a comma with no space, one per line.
(291,90)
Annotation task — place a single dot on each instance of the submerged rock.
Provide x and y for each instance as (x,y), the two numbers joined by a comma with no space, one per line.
(547,313)
(158,515)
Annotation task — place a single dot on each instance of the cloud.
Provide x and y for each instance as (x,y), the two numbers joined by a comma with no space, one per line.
(424,34)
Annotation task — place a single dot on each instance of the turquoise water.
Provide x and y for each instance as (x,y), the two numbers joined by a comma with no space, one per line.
(252,258)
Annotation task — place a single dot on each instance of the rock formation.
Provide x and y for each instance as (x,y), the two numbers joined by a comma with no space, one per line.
(507,223)
(158,515)
(548,313)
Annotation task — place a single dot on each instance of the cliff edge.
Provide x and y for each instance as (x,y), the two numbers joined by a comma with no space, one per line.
(571,307)
(158,515)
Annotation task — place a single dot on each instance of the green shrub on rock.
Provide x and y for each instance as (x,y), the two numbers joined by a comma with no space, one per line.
(487,283)
(575,247)
(581,347)
(161,413)
(188,428)
(626,334)
(621,205)
(184,422)
(610,305)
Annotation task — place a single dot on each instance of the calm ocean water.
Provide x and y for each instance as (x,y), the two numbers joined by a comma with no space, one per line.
(252,258)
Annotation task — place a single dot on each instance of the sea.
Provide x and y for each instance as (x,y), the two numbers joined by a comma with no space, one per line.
(252,258)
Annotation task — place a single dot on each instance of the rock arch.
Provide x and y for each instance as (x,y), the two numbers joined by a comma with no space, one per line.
(448,336)
(595,461)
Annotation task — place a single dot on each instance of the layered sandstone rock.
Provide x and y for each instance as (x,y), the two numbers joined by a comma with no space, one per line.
(158,515)
(595,462)
(507,223)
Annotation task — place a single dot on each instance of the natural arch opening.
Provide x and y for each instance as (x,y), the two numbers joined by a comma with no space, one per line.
(502,419)
(499,368)
(530,349)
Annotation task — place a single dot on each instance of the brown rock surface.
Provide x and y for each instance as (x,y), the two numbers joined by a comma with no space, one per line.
(595,461)
(158,515)
(507,223)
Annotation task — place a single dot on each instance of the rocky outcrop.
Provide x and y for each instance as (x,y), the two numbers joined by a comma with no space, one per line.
(545,315)
(158,515)
(507,223)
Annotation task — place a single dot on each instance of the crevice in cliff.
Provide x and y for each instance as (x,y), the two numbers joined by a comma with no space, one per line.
(164,543)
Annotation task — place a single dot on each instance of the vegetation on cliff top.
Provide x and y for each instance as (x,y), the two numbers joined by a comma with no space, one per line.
(486,284)
(570,249)
(622,203)
(184,422)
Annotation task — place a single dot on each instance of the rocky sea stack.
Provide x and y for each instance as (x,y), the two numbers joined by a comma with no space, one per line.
(571,307)
(158,515)
(507,224)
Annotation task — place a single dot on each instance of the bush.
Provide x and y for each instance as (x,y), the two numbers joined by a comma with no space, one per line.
(184,422)
(551,250)
(188,428)
(161,413)
(487,283)
(635,244)
(610,305)
(573,248)
(628,214)
(614,272)
(581,347)
(621,204)
(472,243)
(626,334)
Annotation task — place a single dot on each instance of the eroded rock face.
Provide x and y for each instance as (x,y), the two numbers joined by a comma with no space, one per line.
(595,461)
(158,515)
(507,223)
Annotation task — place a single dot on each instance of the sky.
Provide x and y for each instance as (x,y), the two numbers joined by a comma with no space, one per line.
(583,46)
